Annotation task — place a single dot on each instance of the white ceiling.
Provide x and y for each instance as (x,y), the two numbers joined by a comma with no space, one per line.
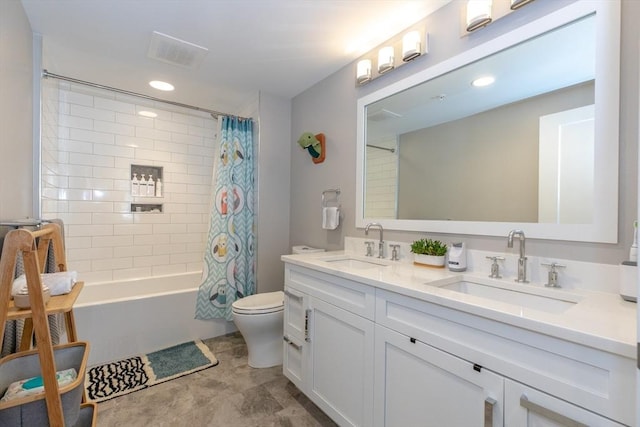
(282,47)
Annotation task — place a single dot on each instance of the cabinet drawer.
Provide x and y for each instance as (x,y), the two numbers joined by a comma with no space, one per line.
(293,363)
(346,294)
(590,378)
(294,313)
(526,407)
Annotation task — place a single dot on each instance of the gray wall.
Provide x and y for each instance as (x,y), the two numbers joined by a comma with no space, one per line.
(273,191)
(16,122)
(330,107)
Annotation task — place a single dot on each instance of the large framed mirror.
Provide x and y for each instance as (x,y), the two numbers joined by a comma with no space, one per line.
(536,149)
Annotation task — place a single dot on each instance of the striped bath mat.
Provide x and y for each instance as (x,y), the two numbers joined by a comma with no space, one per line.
(104,382)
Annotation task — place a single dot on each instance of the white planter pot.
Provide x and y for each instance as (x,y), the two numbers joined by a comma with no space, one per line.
(429,260)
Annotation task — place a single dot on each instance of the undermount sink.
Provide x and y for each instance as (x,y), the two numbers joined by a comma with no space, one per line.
(350,262)
(514,297)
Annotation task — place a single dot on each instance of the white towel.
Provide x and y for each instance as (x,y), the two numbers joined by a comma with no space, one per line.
(58,283)
(330,218)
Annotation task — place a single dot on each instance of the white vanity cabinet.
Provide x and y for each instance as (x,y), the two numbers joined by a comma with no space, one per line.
(418,385)
(547,381)
(329,337)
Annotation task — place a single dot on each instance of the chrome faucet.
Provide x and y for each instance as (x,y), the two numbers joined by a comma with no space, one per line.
(381,242)
(522,261)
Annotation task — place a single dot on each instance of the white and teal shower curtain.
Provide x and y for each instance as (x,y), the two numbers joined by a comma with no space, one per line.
(229,259)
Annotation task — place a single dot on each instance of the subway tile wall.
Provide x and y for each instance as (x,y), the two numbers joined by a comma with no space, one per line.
(90,139)
(382,180)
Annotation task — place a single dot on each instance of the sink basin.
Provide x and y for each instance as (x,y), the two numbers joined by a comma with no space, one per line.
(523,299)
(349,262)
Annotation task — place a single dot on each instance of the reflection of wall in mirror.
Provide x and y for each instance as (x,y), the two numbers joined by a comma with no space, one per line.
(382,178)
(480,168)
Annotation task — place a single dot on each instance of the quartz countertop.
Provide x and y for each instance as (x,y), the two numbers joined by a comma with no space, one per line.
(597,319)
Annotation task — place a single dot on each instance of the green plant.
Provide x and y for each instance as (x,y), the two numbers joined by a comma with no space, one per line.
(429,247)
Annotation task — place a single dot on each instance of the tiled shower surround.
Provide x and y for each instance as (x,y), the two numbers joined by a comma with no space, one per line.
(90,139)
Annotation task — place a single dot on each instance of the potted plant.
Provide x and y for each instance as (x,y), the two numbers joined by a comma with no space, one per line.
(429,252)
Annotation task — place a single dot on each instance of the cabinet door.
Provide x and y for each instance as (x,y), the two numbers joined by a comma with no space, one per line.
(419,385)
(340,370)
(527,407)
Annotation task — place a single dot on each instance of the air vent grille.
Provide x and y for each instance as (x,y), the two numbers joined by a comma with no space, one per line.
(174,51)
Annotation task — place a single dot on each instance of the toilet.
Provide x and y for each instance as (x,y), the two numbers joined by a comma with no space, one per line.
(260,320)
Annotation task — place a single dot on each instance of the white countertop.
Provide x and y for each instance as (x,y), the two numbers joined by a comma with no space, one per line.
(599,319)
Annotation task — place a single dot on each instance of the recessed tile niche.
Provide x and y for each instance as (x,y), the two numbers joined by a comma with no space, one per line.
(146,182)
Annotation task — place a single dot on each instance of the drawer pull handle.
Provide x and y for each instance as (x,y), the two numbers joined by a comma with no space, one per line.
(548,413)
(292,295)
(307,314)
(291,343)
(489,404)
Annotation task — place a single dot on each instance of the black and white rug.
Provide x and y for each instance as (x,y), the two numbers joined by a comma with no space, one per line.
(113,379)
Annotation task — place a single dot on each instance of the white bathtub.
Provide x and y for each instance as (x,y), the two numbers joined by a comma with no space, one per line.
(126,318)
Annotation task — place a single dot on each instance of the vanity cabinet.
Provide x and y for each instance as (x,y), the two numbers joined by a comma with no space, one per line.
(371,357)
(419,385)
(328,348)
(559,380)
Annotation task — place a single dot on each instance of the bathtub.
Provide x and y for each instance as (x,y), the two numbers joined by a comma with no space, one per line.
(131,317)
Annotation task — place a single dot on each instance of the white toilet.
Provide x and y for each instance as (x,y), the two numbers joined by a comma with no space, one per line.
(260,320)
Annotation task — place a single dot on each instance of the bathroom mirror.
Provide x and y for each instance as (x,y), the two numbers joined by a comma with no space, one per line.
(537,149)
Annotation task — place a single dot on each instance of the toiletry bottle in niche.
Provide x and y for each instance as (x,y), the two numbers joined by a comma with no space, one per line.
(151,186)
(158,188)
(143,186)
(135,185)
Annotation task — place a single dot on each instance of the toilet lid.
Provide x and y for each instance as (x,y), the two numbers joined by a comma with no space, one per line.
(260,303)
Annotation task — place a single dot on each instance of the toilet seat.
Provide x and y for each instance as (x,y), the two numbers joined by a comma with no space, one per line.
(268,302)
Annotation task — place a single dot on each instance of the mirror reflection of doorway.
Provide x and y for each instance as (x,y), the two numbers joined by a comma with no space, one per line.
(566,167)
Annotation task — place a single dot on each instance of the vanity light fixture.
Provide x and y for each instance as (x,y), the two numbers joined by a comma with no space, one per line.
(411,46)
(478,14)
(408,45)
(363,71)
(160,85)
(515,4)
(385,59)
(483,81)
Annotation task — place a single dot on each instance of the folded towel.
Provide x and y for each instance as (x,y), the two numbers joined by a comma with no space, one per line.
(330,218)
(58,283)
(35,385)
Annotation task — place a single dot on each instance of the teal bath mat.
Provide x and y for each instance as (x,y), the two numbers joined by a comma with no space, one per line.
(113,379)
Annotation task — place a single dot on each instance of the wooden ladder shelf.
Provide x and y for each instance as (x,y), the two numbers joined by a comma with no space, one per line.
(34,246)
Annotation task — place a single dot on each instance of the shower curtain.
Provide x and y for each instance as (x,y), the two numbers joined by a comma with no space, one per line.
(229,260)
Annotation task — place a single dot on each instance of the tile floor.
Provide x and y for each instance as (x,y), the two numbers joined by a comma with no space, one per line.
(231,395)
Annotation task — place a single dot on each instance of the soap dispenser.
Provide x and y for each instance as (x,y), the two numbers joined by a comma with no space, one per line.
(135,185)
(457,257)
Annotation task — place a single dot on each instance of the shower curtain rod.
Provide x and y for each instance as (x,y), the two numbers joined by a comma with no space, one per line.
(393,150)
(215,114)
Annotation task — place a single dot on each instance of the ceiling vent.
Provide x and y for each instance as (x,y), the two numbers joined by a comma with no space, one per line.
(175,51)
(383,114)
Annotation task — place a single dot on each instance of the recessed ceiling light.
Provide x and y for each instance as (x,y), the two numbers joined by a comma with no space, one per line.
(144,113)
(483,81)
(157,84)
